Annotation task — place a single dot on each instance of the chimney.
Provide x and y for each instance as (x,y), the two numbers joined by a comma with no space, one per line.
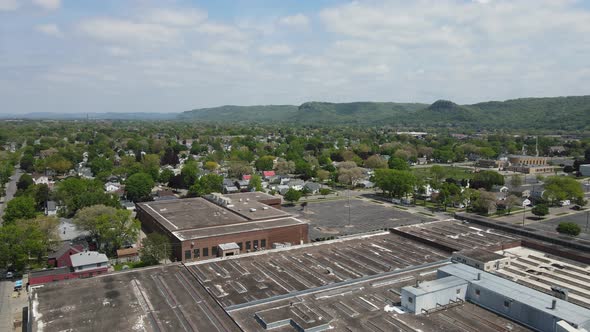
(553,304)
(417,283)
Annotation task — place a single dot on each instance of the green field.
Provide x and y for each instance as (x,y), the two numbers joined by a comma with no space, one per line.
(449,172)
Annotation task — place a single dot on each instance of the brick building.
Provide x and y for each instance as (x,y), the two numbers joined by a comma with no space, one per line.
(199,227)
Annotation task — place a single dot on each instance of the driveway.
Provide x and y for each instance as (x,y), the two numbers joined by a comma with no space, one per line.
(10,191)
(10,306)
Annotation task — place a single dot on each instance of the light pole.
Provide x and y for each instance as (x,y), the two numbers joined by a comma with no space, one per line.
(587,215)
(523,213)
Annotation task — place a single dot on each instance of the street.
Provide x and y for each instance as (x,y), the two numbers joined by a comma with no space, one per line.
(10,191)
(10,307)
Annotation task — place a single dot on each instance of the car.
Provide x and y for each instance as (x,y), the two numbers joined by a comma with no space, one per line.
(577,207)
(9,275)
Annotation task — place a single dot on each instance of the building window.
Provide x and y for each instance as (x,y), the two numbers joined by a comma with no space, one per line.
(411,300)
(214,251)
(263,243)
(196,253)
(255,244)
(240,245)
(205,252)
(187,254)
(477,292)
(506,304)
(248,245)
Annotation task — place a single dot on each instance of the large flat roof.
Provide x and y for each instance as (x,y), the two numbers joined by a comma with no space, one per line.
(190,213)
(162,299)
(204,232)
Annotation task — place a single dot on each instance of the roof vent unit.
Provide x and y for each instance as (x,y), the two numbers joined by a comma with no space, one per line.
(265,207)
(252,210)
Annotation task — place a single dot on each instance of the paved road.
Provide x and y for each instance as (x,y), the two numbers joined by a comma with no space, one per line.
(10,308)
(10,191)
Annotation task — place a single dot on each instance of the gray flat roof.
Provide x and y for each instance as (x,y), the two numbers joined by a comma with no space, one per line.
(435,285)
(164,298)
(254,210)
(189,213)
(540,301)
(252,195)
(250,226)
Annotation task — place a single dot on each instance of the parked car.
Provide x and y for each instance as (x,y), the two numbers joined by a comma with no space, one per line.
(9,275)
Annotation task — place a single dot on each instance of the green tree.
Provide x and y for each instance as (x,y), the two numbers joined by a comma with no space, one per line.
(487,179)
(540,210)
(151,165)
(24,182)
(165,176)
(211,166)
(255,183)
(265,163)
(206,184)
(139,186)
(399,164)
(101,165)
(485,202)
(569,228)
(515,181)
(559,188)
(155,248)
(292,195)
(27,162)
(437,173)
(23,239)
(511,201)
(22,207)
(76,193)
(189,173)
(111,228)
(394,182)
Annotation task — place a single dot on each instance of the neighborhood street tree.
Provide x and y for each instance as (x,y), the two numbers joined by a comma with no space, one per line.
(138,187)
(155,248)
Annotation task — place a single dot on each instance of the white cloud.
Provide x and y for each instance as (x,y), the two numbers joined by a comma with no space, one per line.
(176,17)
(117,51)
(277,49)
(220,30)
(48,4)
(9,5)
(50,30)
(123,31)
(295,21)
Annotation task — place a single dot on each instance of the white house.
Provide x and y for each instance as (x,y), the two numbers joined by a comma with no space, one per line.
(88,260)
(111,187)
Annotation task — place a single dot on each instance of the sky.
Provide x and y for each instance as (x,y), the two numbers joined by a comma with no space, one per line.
(82,56)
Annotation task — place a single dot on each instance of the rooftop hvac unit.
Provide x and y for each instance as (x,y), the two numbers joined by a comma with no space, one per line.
(252,210)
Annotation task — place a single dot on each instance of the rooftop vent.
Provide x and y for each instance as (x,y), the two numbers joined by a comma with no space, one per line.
(265,207)
(252,210)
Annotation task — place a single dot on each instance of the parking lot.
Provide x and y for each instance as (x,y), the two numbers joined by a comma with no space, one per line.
(335,218)
(580,218)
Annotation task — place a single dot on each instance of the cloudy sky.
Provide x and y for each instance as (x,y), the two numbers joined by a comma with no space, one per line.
(170,56)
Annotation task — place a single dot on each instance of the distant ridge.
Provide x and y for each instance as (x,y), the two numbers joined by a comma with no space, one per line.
(554,113)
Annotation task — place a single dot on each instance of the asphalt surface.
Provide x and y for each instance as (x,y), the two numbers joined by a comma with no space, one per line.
(331,218)
(10,191)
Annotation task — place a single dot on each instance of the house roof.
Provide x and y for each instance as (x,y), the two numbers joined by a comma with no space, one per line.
(268,173)
(126,252)
(64,249)
(88,258)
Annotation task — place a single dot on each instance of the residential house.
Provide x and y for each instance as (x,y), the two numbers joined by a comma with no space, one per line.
(312,187)
(83,265)
(112,187)
(61,257)
(42,179)
(50,208)
(127,255)
(268,175)
(296,184)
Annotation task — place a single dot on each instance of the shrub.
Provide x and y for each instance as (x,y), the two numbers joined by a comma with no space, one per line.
(569,228)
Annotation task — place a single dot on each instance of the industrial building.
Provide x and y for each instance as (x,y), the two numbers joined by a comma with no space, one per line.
(222,225)
(481,259)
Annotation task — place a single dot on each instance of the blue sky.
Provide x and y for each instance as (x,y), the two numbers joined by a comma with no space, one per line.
(170,56)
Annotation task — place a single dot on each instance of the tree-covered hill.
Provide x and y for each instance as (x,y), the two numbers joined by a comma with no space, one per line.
(558,113)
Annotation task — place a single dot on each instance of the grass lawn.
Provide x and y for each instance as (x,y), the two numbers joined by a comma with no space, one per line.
(450,172)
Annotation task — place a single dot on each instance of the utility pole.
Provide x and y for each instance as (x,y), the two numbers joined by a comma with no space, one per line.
(587,215)
(523,213)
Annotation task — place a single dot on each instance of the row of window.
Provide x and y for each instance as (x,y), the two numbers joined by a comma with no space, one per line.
(196,253)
